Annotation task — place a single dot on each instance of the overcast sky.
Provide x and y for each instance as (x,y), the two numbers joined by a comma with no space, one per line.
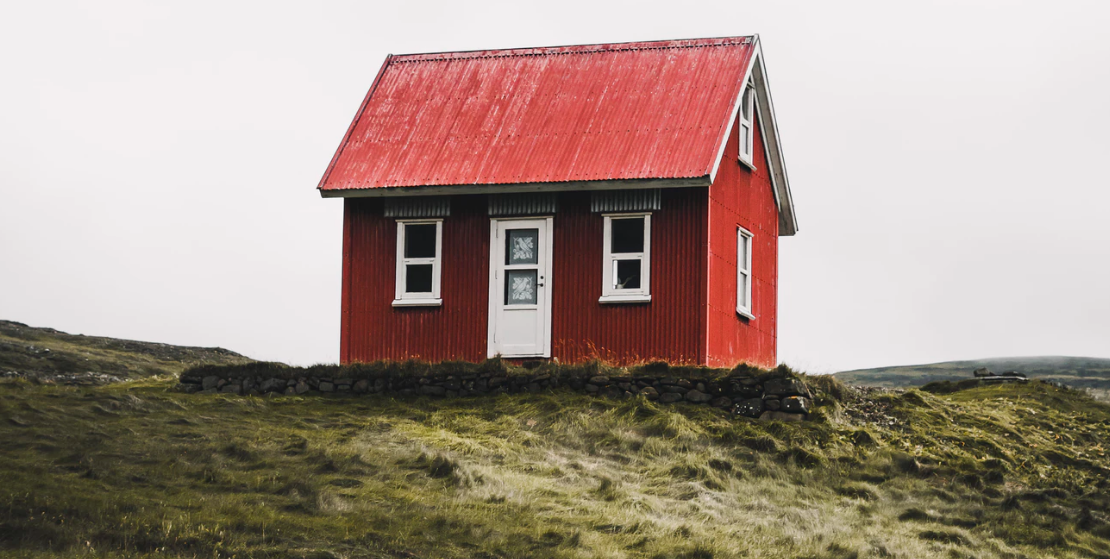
(158,164)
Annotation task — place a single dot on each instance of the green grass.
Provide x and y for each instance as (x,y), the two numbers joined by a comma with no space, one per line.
(136,469)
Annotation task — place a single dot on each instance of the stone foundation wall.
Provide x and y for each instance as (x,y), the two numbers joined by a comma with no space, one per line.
(787,399)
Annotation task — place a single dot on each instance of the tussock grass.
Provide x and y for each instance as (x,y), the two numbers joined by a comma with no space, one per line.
(136,469)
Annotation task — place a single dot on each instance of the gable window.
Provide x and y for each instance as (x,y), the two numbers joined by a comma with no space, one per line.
(747,116)
(419,260)
(744,272)
(626,266)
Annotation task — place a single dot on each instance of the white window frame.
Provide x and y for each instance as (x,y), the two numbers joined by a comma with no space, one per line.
(403,298)
(746,130)
(744,273)
(609,292)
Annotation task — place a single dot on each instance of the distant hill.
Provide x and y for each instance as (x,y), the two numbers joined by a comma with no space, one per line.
(1076,372)
(48,354)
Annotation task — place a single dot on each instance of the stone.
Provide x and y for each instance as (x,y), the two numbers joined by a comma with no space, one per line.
(231,388)
(362,386)
(592,388)
(785,387)
(451,393)
(675,389)
(649,392)
(781,416)
(220,383)
(326,387)
(209,382)
(599,380)
(772,404)
(751,407)
(346,381)
(433,390)
(700,387)
(452,384)
(721,402)
(267,385)
(698,397)
(343,388)
(189,388)
(795,404)
(534,387)
(670,397)
(248,384)
(300,388)
(289,391)
(684,383)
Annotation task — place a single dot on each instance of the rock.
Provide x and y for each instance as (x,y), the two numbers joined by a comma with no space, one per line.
(670,397)
(362,386)
(343,388)
(795,404)
(675,389)
(781,416)
(189,388)
(300,388)
(750,408)
(592,388)
(700,387)
(209,382)
(684,383)
(534,387)
(982,372)
(721,402)
(289,391)
(599,380)
(346,381)
(220,383)
(698,397)
(433,390)
(772,404)
(785,387)
(231,388)
(267,385)
(326,387)
(649,392)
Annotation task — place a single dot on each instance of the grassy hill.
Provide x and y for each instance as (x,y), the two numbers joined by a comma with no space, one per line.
(136,469)
(1076,372)
(46,354)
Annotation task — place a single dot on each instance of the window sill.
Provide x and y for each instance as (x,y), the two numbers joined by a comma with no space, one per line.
(417,302)
(607,299)
(746,162)
(745,314)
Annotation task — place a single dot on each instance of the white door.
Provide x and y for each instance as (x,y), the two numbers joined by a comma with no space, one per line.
(520,288)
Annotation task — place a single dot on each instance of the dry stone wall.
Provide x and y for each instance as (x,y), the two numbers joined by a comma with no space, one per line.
(785,398)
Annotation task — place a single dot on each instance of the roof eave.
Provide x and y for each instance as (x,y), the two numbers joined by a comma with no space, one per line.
(567,186)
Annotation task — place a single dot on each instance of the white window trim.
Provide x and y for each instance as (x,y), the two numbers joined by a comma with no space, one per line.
(744,270)
(747,98)
(610,294)
(402,298)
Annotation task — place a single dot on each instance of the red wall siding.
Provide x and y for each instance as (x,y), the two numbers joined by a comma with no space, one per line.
(373,329)
(671,326)
(740,196)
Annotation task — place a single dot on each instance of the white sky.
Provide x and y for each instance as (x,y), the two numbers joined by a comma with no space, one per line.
(158,164)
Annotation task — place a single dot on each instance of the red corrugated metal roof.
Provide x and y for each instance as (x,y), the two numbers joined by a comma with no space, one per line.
(653,110)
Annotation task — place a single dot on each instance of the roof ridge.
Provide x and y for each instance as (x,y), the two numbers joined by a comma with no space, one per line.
(574,49)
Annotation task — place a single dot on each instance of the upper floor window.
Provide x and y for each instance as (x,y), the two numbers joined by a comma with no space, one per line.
(744,272)
(747,116)
(419,261)
(626,272)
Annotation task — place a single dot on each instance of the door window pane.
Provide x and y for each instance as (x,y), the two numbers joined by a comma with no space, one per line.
(627,235)
(520,287)
(420,240)
(521,246)
(418,278)
(742,251)
(742,291)
(626,274)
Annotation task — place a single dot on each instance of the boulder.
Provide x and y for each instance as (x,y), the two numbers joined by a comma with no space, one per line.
(670,397)
(721,402)
(361,386)
(433,390)
(599,380)
(772,404)
(649,392)
(785,387)
(795,404)
(231,388)
(751,407)
(698,397)
(326,387)
(209,382)
(300,388)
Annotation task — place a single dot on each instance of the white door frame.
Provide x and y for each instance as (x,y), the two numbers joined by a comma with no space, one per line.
(496,297)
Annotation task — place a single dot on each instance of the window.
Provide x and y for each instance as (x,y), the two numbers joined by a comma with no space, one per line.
(626,272)
(419,259)
(747,115)
(744,272)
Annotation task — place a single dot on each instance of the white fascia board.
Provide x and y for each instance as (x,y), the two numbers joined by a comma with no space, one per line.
(568,186)
(769,130)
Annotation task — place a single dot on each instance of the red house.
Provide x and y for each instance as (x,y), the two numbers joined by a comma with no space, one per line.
(618,201)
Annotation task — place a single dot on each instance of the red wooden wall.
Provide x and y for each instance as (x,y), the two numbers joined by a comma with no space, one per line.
(670,327)
(740,196)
